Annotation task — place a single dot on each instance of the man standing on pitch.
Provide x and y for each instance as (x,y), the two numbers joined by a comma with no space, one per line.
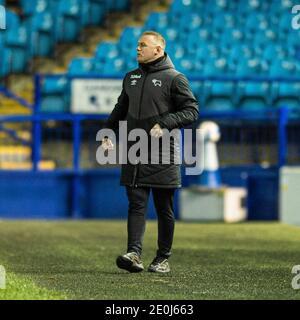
(154,97)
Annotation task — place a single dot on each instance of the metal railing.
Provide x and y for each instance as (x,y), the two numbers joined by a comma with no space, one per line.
(279,117)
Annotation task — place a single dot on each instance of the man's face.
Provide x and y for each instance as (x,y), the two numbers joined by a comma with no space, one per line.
(148,49)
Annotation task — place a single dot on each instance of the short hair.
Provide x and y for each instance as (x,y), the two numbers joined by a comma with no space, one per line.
(158,37)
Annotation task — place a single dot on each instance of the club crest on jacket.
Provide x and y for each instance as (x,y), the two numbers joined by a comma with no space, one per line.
(156,82)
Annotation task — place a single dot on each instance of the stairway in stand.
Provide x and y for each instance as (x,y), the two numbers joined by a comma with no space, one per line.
(16,137)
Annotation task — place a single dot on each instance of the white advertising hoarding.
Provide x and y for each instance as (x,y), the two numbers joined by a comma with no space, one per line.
(95,95)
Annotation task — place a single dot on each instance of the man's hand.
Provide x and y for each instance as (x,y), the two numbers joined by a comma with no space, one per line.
(107,144)
(156,131)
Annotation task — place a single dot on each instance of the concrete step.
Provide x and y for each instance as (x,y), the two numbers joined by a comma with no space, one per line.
(11,106)
(27,165)
(115,22)
(15,153)
(14,111)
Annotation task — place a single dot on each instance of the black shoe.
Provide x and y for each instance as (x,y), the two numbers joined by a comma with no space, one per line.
(160,265)
(130,262)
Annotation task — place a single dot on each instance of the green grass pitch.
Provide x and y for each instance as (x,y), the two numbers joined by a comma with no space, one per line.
(76,260)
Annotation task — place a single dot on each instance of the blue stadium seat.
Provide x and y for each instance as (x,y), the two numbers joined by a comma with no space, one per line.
(68,20)
(292,39)
(236,52)
(286,94)
(197,39)
(156,20)
(281,68)
(12,20)
(98,66)
(13,45)
(131,55)
(16,41)
(55,94)
(97,11)
(223,5)
(16,37)
(171,34)
(34,6)
(272,50)
(115,67)
(261,37)
(54,85)
(206,52)
(214,6)
(106,50)
(185,65)
(189,22)
(131,64)
(230,36)
(40,29)
(5,61)
(54,103)
(215,67)
(81,66)
(197,87)
(129,39)
(181,6)
(120,5)
(255,21)
(176,50)
(219,95)
(244,68)
(253,95)
(284,25)
(246,6)
(53,6)
(223,21)
(85,13)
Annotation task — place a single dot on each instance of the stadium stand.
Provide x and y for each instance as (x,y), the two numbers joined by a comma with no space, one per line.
(218,38)
(33,31)
(234,39)
(204,38)
(241,56)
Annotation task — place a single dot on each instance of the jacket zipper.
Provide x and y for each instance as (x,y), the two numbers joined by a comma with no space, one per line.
(134,176)
(137,165)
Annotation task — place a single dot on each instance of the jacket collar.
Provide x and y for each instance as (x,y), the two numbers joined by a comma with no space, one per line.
(159,64)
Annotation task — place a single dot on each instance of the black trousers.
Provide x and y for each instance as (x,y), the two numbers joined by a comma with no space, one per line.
(138,201)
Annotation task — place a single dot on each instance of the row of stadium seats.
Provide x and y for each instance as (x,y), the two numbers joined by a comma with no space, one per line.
(45,23)
(215,38)
(202,45)
(253,21)
(84,7)
(274,7)
(218,95)
(239,60)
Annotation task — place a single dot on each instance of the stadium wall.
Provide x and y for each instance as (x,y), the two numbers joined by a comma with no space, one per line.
(50,195)
(95,193)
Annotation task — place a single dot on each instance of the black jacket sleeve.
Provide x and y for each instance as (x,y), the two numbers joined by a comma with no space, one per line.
(186,105)
(119,112)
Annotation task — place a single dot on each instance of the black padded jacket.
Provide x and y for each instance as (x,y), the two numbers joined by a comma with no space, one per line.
(154,93)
